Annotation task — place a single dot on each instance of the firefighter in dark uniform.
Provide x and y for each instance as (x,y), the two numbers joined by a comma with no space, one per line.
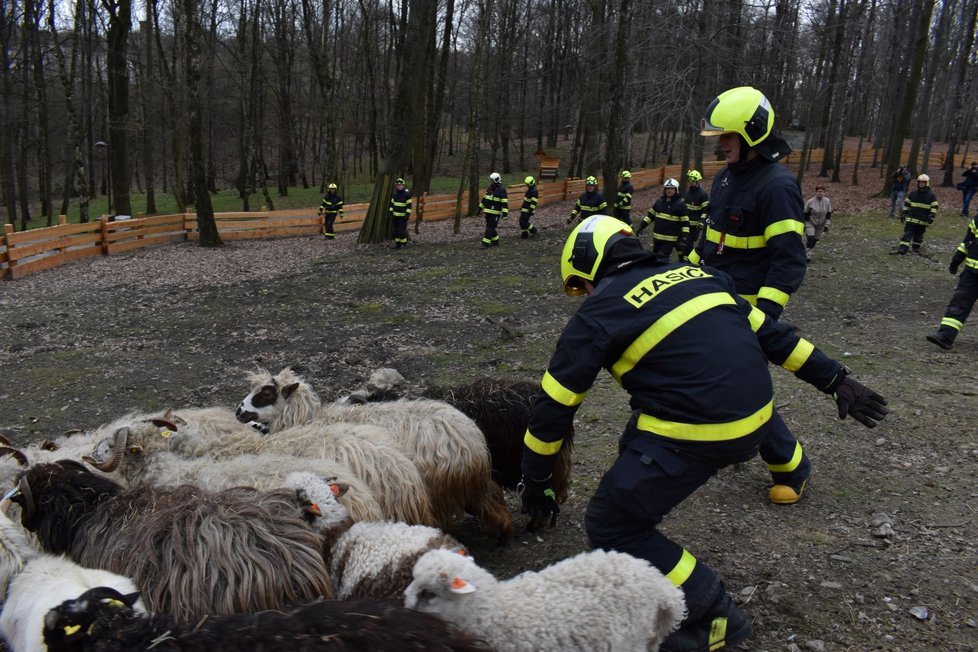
(623,204)
(529,207)
(963,299)
(495,206)
(400,209)
(701,402)
(754,233)
(697,206)
(670,224)
(330,209)
(591,202)
(919,211)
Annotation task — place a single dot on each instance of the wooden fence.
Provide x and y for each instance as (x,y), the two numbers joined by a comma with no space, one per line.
(27,252)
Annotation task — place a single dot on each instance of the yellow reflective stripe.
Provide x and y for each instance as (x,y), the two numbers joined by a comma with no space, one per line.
(800,354)
(736,241)
(756,319)
(541,447)
(952,322)
(703,432)
(718,634)
(750,298)
(559,393)
(790,465)
(694,257)
(928,206)
(683,569)
(784,226)
(775,295)
(669,217)
(664,325)
(665,238)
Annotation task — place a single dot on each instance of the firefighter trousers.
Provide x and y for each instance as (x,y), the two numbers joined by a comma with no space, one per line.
(783,455)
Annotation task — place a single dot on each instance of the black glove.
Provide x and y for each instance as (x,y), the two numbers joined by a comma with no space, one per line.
(770,308)
(539,500)
(640,228)
(860,402)
(571,218)
(956,261)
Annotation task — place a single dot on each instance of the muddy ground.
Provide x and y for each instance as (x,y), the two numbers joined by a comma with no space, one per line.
(879,555)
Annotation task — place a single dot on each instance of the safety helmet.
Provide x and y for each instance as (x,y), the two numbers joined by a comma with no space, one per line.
(743,110)
(529,181)
(331,186)
(585,249)
(625,174)
(495,178)
(591,181)
(924,178)
(671,183)
(694,175)
(399,180)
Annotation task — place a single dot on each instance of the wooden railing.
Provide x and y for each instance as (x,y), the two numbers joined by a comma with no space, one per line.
(28,252)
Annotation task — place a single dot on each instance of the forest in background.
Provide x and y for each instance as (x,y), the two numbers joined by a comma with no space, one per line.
(188,97)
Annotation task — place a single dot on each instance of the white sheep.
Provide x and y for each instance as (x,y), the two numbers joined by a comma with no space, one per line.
(446,446)
(365,559)
(34,582)
(594,601)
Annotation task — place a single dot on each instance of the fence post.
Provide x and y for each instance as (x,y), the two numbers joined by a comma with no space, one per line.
(563,197)
(104,222)
(7,230)
(62,220)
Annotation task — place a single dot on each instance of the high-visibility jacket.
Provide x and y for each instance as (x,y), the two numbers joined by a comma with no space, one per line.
(332,205)
(588,204)
(400,206)
(668,219)
(697,205)
(920,206)
(691,353)
(530,199)
(495,203)
(754,230)
(969,246)
(624,199)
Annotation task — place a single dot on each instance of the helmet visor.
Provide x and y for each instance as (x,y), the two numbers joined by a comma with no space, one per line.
(574,286)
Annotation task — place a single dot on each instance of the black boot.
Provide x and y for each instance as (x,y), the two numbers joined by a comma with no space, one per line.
(721,625)
(943,338)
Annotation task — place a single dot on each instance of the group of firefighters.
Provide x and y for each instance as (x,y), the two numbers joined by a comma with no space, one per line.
(690,341)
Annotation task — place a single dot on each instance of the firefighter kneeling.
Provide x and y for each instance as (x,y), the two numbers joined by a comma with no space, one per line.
(700,403)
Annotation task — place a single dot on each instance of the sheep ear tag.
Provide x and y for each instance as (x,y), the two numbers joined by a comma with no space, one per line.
(461,587)
(70,630)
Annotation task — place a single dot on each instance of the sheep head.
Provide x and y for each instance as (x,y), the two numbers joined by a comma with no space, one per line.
(279,401)
(108,455)
(316,497)
(72,622)
(443,581)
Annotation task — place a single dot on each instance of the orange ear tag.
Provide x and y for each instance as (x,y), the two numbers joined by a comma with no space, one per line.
(460,586)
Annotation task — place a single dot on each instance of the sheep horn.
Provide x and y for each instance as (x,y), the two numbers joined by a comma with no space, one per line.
(4,441)
(26,500)
(118,450)
(14,453)
(73,431)
(164,423)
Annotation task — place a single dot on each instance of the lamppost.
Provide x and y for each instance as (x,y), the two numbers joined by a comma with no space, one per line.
(102,145)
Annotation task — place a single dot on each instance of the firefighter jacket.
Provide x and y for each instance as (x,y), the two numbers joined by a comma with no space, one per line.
(400,206)
(495,203)
(969,246)
(691,353)
(624,200)
(920,206)
(530,199)
(668,219)
(588,204)
(332,205)
(697,205)
(754,230)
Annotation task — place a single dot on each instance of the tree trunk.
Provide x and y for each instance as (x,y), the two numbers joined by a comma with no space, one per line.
(208,235)
(117,38)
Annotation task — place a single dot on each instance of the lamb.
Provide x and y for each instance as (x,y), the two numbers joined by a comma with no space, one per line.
(365,559)
(446,446)
(364,450)
(101,620)
(596,600)
(33,583)
(501,408)
(191,552)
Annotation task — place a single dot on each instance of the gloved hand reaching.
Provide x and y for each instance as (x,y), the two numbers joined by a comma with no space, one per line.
(539,500)
(956,261)
(860,402)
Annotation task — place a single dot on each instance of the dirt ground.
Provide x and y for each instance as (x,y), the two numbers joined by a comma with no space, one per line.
(879,555)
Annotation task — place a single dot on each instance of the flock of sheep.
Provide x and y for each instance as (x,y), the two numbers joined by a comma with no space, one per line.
(296,525)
